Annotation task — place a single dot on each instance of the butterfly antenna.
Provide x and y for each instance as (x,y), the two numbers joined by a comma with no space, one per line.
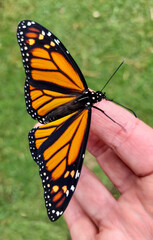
(112,99)
(113,75)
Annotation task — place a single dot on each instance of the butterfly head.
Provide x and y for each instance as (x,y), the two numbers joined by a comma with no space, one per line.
(97,96)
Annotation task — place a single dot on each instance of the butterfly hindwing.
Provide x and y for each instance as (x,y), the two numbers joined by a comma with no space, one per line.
(52,76)
(58,148)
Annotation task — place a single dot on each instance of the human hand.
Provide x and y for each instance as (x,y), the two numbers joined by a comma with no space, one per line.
(127,159)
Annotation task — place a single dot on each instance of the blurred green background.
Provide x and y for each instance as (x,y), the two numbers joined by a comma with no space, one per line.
(99,34)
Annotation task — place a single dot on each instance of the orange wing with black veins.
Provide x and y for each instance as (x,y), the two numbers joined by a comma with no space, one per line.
(52,76)
(58,148)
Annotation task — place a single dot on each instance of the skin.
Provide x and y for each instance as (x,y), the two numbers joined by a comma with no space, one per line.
(126,156)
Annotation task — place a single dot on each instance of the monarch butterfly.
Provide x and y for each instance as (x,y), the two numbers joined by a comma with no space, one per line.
(56,95)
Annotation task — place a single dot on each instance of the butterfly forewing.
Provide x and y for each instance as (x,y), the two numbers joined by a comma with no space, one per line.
(52,76)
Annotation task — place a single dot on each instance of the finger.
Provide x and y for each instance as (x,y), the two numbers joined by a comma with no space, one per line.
(93,197)
(133,146)
(37,125)
(118,173)
(79,224)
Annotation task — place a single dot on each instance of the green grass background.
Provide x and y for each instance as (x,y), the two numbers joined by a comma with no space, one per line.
(99,34)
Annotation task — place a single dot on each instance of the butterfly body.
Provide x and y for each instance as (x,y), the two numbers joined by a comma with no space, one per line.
(84,101)
(56,95)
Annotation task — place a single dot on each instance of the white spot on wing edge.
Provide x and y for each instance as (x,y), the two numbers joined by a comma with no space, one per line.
(67,193)
(49,34)
(57,41)
(57,213)
(77,174)
(72,188)
(43,33)
(28,23)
